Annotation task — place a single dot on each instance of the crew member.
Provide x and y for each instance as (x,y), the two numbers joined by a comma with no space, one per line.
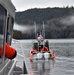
(10,52)
(43,49)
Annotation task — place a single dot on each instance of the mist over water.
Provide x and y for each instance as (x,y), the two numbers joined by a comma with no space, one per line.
(25,28)
(69,20)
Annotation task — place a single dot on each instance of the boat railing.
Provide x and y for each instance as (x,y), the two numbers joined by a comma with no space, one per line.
(21,55)
(7,67)
(12,67)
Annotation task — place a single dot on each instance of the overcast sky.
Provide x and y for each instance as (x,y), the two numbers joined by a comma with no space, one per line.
(22,5)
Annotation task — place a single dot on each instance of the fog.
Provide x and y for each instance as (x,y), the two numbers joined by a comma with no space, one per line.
(24,28)
(69,20)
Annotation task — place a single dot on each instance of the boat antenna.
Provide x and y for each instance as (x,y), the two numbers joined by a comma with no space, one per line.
(37,34)
(43,30)
(40,32)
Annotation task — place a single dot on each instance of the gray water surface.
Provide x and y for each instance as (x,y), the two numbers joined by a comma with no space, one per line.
(62,65)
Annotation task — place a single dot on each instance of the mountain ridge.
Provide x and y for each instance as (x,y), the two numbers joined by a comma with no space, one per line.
(59,22)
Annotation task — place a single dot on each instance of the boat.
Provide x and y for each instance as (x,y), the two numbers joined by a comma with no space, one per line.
(41,50)
(45,54)
(7,17)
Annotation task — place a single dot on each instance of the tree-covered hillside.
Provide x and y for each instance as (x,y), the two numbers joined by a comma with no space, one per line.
(58,22)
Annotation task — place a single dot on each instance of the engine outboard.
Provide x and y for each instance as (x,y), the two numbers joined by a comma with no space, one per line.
(39,56)
(46,55)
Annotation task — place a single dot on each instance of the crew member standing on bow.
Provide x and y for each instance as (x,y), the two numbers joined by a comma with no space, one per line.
(42,46)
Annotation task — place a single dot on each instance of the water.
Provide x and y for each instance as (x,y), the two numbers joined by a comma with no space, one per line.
(62,65)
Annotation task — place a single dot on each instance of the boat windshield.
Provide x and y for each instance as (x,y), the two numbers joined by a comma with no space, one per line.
(44,43)
(41,43)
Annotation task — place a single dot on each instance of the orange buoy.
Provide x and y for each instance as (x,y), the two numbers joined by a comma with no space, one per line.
(10,52)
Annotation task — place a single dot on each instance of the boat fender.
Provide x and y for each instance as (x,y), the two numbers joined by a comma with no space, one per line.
(10,52)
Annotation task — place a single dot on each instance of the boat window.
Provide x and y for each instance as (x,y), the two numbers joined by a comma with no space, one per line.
(42,43)
(9,29)
(2,26)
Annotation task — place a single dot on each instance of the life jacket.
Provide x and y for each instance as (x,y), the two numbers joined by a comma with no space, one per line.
(10,52)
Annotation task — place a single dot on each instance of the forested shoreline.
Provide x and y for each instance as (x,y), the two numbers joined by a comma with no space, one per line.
(59,22)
